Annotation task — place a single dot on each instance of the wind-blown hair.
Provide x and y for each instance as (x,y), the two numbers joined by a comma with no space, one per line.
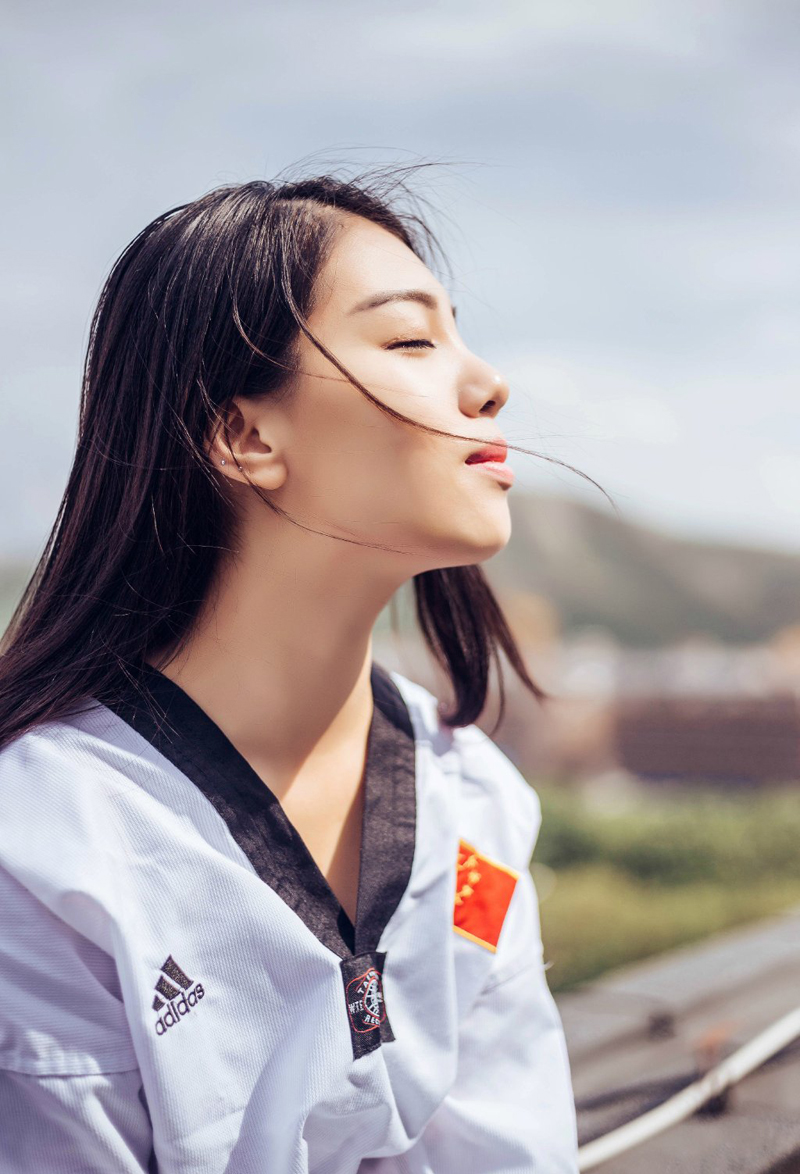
(207,302)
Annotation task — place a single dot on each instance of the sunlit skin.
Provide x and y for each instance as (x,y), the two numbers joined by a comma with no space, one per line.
(280,657)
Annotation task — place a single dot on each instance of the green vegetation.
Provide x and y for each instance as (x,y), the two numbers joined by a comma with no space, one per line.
(668,871)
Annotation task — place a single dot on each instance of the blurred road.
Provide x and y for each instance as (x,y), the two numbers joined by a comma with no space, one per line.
(645,1032)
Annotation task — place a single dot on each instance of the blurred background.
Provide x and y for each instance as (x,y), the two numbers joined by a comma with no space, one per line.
(616,187)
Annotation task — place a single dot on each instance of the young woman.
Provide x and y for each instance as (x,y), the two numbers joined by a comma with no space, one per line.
(266,909)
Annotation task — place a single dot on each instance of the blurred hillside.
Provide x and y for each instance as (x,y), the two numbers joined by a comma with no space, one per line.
(644,586)
(569,567)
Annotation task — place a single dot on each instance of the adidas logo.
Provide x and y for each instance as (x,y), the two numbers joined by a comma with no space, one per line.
(174,985)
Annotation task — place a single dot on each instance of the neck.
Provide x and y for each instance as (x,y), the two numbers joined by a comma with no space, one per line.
(280,656)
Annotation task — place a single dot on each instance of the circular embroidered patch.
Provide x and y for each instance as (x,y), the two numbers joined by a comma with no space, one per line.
(365,1003)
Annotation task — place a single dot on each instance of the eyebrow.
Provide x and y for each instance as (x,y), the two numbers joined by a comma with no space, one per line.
(400,295)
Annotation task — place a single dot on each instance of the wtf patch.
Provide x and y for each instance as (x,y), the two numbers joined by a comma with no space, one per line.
(365,1001)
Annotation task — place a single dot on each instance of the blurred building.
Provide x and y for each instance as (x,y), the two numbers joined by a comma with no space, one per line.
(697,710)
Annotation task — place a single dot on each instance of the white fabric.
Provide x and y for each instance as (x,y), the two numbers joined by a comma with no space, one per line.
(111,860)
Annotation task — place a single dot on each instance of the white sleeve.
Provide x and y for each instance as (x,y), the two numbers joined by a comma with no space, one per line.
(71,1097)
(511,1108)
(89,1124)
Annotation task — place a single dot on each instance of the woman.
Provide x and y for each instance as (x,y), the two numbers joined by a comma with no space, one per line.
(265,907)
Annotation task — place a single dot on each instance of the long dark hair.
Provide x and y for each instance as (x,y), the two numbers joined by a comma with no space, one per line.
(206,302)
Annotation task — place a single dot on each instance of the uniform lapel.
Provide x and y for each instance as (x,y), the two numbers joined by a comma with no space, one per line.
(186,735)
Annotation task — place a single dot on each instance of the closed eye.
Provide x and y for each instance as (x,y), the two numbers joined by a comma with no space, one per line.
(411,342)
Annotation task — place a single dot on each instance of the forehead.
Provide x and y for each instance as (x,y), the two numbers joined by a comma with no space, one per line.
(367,259)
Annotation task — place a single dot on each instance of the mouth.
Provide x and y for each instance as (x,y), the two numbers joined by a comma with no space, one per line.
(491,458)
(496,451)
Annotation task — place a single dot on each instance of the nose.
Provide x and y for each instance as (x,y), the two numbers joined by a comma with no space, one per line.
(499,385)
(491,392)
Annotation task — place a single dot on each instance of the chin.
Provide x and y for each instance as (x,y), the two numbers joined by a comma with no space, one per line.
(472,537)
(493,535)
(466,551)
(488,552)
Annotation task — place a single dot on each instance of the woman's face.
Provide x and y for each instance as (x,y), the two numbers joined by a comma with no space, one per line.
(336,462)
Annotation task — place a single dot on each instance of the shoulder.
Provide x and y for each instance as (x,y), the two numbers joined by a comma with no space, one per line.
(505,807)
(34,765)
(48,795)
(497,805)
(56,761)
(71,803)
(423,708)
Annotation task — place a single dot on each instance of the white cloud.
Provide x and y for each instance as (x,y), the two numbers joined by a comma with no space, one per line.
(593,401)
(641,419)
(471,30)
(780,472)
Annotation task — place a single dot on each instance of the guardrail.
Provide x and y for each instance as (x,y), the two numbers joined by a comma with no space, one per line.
(683,1104)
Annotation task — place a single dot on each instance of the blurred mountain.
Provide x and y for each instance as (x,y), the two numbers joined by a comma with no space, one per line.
(644,586)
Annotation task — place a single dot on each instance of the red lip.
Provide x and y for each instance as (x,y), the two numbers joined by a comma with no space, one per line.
(490,452)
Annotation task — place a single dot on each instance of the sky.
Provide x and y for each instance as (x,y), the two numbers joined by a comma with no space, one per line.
(616,185)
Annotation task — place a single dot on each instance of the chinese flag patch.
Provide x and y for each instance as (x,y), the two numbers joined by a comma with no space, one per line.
(484,888)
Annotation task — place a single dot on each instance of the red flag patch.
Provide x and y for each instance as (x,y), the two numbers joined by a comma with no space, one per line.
(484,888)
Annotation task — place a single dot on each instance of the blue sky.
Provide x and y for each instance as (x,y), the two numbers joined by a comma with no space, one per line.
(620,202)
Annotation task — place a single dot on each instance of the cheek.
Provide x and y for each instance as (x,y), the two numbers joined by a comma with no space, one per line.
(348,462)
(361,470)
(360,476)
(346,449)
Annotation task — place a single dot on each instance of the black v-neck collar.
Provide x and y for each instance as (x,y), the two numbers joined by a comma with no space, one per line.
(186,735)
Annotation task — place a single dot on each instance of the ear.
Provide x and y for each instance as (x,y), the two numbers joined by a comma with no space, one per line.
(244,454)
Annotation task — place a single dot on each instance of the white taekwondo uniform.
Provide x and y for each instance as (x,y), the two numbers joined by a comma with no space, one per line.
(182,993)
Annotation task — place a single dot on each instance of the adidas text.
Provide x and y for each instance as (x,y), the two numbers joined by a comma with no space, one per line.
(179,1007)
(175,991)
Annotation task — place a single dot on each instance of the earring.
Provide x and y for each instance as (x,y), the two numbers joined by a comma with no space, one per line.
(223,461)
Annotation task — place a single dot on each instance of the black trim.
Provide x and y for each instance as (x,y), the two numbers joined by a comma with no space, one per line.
(192,741)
